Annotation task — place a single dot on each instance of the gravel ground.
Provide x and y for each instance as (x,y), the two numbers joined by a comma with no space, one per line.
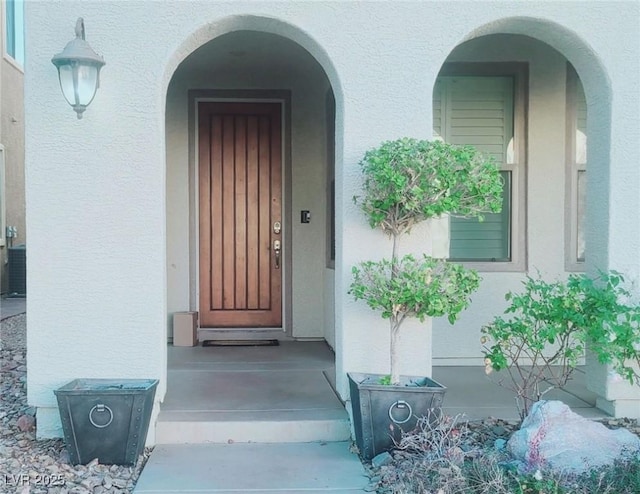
(30,466)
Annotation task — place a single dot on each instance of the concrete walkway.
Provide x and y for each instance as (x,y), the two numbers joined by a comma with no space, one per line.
(254,468)
(10,307)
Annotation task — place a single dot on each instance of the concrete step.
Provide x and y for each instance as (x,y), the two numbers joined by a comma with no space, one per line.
(264,403)
(254,468)
(289,426)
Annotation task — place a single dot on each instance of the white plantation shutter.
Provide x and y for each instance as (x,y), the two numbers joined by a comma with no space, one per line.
(478,111)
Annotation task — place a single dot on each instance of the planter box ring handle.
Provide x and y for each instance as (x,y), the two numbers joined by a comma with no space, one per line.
(400,405)
(101,408)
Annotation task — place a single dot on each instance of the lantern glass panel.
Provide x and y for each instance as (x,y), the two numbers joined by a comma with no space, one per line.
(83,91)
(66,83)
(87,83)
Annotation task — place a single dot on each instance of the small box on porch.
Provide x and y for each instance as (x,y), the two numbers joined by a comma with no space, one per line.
(185,328)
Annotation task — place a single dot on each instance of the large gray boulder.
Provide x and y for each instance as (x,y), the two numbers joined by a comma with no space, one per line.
(553,437)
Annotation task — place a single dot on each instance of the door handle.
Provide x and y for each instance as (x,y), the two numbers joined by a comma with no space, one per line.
(276,251)
(277,227)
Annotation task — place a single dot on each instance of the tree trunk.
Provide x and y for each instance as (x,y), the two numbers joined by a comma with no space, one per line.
(393,351)
(395,321)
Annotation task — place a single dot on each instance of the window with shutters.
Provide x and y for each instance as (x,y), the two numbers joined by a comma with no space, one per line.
(576,171)
(485,111)
(14,29)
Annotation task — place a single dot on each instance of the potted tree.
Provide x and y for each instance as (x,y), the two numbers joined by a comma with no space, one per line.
(406,182)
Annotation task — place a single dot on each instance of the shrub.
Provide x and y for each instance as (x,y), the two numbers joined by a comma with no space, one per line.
(550,327)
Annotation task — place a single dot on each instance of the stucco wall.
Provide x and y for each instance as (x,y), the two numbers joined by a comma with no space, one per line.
(329,308)
(545,190)
(97,187)
(12,138)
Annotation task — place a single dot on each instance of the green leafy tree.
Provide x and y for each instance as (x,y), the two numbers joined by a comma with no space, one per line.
(408,181)
(550,325)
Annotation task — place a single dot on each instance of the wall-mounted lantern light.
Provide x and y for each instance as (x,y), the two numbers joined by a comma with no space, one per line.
(79,71)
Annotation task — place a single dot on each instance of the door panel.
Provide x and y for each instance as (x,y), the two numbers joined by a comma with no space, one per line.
(240,187)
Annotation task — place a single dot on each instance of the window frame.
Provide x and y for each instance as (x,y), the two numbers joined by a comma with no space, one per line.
(13,59)
(572,170)
(519,71)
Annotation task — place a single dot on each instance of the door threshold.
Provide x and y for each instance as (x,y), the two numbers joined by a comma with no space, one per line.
(243,334)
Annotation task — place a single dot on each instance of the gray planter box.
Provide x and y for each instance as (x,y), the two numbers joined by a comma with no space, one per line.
(381,413)
(107,419)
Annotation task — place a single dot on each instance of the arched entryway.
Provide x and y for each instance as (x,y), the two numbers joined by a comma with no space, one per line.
(250,136)
(537,99)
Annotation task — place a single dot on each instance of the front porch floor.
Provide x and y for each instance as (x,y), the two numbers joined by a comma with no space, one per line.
(251,394)
(285,394)
(472,393)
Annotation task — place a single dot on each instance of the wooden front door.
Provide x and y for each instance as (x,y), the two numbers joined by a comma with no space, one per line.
(241,238)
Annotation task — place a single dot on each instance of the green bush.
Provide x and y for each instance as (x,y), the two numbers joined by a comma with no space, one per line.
(551,325)
(408,181)
(422,287)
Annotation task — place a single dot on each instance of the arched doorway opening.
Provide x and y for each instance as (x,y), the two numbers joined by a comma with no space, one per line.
(536,98)
(520,101)
(250,135)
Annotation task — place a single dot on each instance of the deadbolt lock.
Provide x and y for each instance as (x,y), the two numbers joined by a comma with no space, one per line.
(277,227)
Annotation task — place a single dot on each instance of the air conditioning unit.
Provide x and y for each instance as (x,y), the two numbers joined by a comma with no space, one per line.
(17,267)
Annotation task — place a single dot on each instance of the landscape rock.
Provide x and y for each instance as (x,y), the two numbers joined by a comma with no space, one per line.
(26,423)
(381,460)
(553,437)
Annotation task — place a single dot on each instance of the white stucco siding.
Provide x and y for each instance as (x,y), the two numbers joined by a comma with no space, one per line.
(96,188)
(329,307)
(309,177)
(95,196)
(180,224)
(12,138)
(624,228)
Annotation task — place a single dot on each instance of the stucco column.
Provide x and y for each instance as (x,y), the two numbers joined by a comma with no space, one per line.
(613,235)
(389,107)
(96,222)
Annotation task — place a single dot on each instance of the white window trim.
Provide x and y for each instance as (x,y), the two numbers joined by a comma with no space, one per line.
(5,54)
(13,62)
(572,169)
(520,73)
